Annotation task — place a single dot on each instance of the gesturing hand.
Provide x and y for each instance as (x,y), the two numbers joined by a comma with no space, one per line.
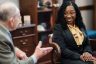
(40,52)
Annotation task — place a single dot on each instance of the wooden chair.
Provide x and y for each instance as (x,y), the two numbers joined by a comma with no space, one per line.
(56,53)
(93,45)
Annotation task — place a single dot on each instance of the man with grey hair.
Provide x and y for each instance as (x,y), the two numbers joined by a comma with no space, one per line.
(9,20)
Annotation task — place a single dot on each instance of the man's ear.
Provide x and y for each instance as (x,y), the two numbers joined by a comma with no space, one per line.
(11,22)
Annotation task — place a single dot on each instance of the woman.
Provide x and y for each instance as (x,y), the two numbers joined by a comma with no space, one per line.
(70,34)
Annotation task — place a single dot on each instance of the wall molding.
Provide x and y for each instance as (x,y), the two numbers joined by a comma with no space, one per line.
(89,7)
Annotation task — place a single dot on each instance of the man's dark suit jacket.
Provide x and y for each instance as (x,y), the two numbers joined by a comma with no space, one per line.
(69,49)
(7,51)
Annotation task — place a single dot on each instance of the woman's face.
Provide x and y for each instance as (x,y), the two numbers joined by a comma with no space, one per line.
(70,14)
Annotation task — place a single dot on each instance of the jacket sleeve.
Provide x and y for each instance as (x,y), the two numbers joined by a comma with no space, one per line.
(7,55)
(28,61)
(58,38)
(87,47)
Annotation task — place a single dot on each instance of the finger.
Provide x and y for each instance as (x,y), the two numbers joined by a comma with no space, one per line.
(82,58)
(24,57)
(39,44)
(47,48)
(88,58)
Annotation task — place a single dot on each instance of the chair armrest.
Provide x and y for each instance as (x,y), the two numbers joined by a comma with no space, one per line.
(56,53)
(56,47)
(93,45)
(92,39)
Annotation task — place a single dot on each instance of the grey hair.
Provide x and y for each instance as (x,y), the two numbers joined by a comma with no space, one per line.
(8,10)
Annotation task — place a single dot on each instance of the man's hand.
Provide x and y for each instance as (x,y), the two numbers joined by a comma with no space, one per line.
(20,54)
(40,52)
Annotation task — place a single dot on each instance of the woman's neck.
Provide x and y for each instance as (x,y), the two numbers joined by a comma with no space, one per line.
(72,24)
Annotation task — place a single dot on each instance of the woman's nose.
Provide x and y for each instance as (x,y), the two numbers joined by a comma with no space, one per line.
(68,15)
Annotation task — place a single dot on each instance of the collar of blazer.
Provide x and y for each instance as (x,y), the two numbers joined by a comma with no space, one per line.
(5,34)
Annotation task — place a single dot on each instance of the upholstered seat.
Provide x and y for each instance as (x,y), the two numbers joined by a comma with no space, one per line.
(91,34)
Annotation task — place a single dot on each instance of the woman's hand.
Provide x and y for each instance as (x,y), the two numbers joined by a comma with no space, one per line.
(87,57)
(81,57)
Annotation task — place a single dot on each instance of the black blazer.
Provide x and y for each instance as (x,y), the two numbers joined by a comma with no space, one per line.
(69,48)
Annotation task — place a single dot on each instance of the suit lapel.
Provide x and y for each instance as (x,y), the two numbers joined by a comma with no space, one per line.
(85,36)
(5,34)
(69,38)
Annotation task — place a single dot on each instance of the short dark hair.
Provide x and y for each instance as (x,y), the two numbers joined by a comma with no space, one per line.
(60,16)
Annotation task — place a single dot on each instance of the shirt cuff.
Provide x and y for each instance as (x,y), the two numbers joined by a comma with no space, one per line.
(16,48)
(34,58)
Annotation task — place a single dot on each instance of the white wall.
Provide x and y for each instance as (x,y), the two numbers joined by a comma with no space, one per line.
(87,18)
(16,2)
(84,2)
(86,14)
(60,2)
